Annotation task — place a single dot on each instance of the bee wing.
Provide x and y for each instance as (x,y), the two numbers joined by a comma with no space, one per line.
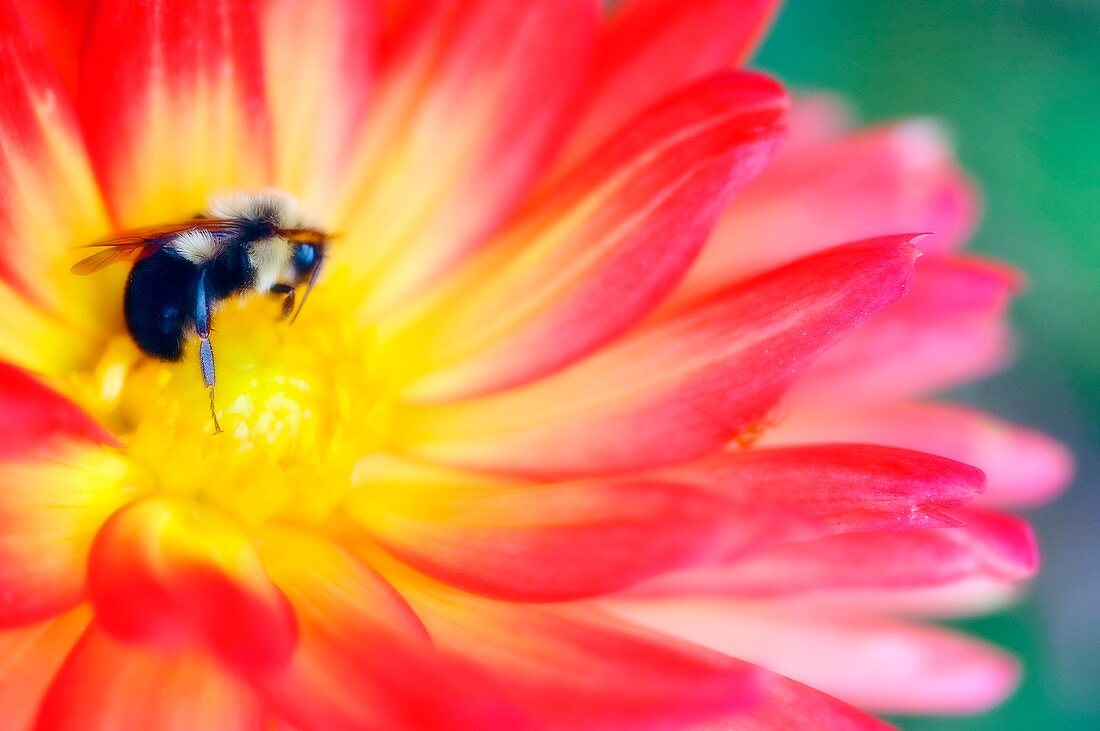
(135,245)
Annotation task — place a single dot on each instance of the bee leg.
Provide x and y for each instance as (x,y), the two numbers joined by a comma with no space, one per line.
(288,300)
(206,351)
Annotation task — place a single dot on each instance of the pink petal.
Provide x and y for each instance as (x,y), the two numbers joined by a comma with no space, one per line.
(474,97)
(536,543)
(107,685)
(846,487)
(578,669)
(678,388)
(363,660)
(170,572)
(58,482)
(652,47)
(601,248)
(1023,468)
(873,663)
(320,63)
(949,330)
(29,659)
(790,705)
(984,545)
(172,100)
(893,179)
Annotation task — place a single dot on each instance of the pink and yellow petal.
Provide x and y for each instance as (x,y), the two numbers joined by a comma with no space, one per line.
(650,48)
(173,106)
(30,657)
(107,685)
(59,479)
(674,390)
(473,98)
(578,668)
(599,249)
(895,179)
(320,66)
(537,542)
(171,572)
(363,659)
(1023,467)
(879,664)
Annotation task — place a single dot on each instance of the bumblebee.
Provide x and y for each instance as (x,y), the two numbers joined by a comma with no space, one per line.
(242,244)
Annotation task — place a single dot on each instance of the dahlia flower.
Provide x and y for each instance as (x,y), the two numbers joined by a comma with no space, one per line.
(610,411)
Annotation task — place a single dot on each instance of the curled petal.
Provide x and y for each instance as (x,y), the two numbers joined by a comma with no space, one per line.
(536,543)
(652,47)
(888,180)
(678,388)
(58,483)
(602,247)
(472,100)
(887,666)
(320,64)
(172,100)
(29,659)
(1022,467)
(984,545)
(106,685)
(580,669)
(848,487)
(363,659)
(949,330)
(169,571)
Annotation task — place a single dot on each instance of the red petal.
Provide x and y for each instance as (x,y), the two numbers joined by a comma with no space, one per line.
(60,25)
(536,543)
(57,485)
(984,545)
(363,660)
(29,659)
(107,685)
(472,101)
(847,487)
(320,59)
(170,571)
(172,99)
(948,330)
(887,180)
(869,662)
(1022,467)
(652,47)
(578,669)
(602,247)
(679,388)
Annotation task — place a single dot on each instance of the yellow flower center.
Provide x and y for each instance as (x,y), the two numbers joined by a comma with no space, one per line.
(299,404)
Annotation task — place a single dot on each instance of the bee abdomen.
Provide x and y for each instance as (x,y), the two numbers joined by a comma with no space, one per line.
(160,302)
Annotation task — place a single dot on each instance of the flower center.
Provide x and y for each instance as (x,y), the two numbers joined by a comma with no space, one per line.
(298,404)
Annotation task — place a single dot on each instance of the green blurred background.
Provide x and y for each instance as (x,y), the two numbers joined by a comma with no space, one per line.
(1018,81)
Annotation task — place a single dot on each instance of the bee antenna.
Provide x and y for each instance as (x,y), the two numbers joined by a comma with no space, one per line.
(309,285)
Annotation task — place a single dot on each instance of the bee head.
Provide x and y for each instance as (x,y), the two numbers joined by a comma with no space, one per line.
(306,259)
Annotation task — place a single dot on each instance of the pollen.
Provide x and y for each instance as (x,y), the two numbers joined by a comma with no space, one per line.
(298,405)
